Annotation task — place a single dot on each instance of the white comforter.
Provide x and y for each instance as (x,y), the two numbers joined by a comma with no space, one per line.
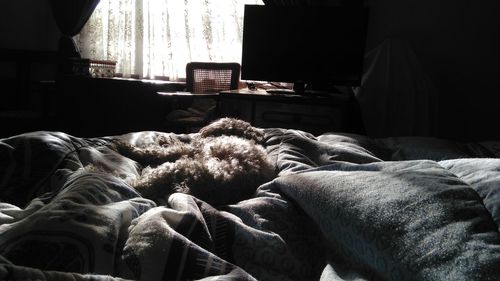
(342,207)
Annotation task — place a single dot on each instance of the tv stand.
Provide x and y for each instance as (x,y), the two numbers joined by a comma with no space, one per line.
(315,114)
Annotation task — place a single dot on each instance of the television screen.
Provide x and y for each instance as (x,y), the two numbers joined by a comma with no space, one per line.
(304,44)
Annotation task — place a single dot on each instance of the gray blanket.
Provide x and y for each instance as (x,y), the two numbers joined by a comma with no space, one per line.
(343,207)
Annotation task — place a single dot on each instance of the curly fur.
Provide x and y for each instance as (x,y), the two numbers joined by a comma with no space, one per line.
(233,127)
(222,164)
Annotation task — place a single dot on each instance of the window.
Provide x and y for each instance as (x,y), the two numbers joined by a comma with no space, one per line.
(152,38)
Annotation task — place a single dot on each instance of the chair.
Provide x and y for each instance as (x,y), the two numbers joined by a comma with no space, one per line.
(202,77)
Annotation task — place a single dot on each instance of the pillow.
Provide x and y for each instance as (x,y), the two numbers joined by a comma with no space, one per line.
(415,148)
(408,220)
(483,175)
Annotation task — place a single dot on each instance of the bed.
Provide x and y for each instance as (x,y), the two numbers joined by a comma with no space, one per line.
(342,207)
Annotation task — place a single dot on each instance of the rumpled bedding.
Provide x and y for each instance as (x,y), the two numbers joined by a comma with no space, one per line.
(343,207)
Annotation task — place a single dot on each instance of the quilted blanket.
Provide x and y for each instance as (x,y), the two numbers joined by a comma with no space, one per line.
(343,207)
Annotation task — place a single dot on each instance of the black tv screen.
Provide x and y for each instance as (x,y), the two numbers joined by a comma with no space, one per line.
(304,44)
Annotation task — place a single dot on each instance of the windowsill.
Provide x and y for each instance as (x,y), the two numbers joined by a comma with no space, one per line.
(152,81)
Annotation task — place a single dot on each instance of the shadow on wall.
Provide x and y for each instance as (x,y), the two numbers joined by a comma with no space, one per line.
(396,96)
(457,44)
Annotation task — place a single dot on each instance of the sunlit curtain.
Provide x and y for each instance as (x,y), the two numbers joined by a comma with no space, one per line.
(70,17)
(152,38)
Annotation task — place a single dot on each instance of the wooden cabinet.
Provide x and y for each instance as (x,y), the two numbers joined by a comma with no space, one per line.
(315,114)
(109,106)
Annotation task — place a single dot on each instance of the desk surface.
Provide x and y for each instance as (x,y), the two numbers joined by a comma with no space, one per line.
(263,95)
(257,95)
(189,94)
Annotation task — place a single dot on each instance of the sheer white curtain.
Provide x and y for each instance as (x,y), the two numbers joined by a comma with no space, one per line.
(152,38)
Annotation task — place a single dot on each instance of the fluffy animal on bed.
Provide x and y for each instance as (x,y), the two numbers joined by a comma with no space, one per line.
(222,164)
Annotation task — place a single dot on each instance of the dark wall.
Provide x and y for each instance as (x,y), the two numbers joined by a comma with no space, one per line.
(27,24)
(458,43)
(28,41)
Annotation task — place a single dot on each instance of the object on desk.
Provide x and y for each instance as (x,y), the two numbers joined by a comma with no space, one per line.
(202,77)
(102,68)
(161,77)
